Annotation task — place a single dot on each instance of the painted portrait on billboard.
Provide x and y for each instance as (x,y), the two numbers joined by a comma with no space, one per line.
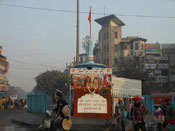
(91,79)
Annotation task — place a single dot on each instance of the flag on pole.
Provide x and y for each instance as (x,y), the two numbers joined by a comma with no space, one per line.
(89,18)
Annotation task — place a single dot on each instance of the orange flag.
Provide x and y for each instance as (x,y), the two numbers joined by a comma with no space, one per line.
(89,18)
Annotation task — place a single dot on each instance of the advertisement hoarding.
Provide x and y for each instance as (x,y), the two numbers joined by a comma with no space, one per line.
(96,78)
(3,87)
(152,46)
(92,92)
(153,51)
(123,87)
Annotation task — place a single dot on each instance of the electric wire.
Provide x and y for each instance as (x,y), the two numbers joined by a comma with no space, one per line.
(83,12)
(38,64)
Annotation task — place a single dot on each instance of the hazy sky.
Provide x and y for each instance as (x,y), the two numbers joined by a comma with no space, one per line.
(38,40)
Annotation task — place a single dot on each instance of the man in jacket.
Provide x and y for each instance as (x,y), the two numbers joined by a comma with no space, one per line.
(57,109)
(165,107)
(159,117)
(119,112)
(137,114)
(58,97)
(171,117)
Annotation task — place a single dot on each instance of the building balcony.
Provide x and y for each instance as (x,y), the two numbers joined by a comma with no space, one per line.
(150,66)
(153,51)
(165,58)
(163,66)
(156,66)
(161,78)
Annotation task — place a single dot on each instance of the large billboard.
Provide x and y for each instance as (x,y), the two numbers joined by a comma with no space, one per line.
(92,104)
(3,77)
(150,66)
(152,46)
(126,87)
(96,78)
(153,51)
(3,87)
(3,73)
(92,92)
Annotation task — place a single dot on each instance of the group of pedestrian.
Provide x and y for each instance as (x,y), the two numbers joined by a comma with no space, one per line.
(62,111)
(9,104)
(164,115)
(14,104)
(137,113)
(5,103)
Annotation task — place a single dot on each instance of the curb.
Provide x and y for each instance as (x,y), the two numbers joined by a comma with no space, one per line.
(24,123)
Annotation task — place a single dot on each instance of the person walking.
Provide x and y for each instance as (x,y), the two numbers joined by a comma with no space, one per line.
(165,107)
(159,117)
(119,112)
(61,115)
(57,109)
(171,117)
(58,97)
(138,111)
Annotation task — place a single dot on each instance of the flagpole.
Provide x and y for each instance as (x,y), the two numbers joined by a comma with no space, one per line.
(77,44)
(90,22)
(90,30)
(90,46)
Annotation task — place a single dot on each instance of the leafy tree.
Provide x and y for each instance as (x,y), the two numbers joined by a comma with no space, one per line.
(12,90)
(51,80)
(131,67)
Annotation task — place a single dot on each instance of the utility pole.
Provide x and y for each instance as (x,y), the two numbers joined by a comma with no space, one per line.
(77,47)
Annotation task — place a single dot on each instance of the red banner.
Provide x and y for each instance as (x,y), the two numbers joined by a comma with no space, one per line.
(3,87)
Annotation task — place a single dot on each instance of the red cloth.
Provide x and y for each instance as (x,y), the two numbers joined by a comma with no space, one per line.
(89,18)
(137,112)
(137,98)
(171,121)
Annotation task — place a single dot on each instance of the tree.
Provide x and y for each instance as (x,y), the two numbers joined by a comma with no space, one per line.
(51,80)
(16,91)
(131,67)
(85,41)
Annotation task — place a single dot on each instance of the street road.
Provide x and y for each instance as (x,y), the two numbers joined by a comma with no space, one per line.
(7,122)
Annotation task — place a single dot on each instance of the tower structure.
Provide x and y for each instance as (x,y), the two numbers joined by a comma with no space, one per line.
(109,35)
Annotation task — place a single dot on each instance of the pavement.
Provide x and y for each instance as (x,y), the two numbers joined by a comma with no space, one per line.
(29,119)
(78,124)
(8,123)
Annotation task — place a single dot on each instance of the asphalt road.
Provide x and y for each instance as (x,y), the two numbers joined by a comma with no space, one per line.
(7,122)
